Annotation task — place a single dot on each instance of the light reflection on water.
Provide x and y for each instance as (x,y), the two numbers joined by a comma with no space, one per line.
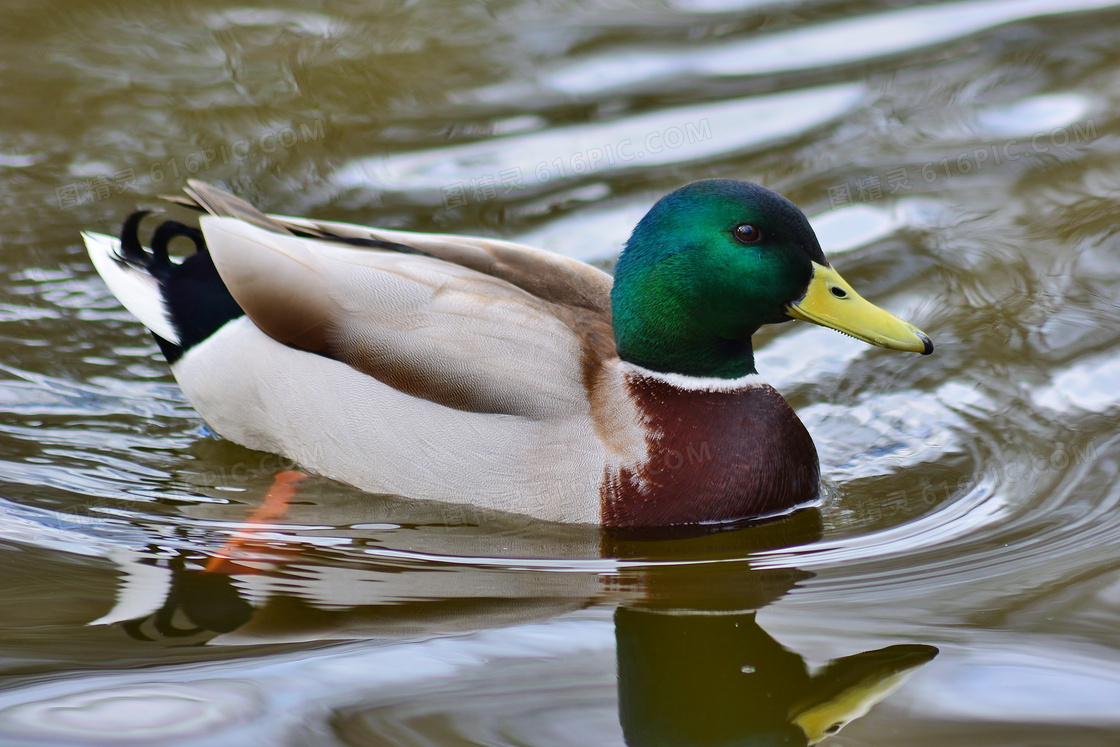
(957,159)
(641,142)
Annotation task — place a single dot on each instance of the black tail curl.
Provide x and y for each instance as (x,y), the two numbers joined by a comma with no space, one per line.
(157,261)
(197,301)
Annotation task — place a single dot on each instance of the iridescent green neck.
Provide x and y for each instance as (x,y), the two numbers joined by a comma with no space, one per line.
(663,322)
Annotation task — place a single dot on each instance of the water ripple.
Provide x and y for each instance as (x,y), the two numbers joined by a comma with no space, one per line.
(538,161)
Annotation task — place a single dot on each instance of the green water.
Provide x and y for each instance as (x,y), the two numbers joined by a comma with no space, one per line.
(960,163)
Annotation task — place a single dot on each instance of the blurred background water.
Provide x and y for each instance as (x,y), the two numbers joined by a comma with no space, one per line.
(959,161)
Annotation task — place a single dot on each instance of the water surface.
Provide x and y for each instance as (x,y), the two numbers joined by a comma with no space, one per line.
(959,162)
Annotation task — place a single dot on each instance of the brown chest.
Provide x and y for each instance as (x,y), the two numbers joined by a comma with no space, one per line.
(711,455)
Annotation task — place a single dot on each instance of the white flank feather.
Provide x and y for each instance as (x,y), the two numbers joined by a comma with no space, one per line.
(137,290)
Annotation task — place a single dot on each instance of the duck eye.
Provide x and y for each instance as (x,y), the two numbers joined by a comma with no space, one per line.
(747,234)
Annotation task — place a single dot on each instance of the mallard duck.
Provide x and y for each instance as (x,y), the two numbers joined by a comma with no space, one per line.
(483,372)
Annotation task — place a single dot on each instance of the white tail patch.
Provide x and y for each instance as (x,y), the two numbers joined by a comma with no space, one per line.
(136,289)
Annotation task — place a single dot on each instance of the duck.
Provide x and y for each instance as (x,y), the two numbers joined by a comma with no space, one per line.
(498,376)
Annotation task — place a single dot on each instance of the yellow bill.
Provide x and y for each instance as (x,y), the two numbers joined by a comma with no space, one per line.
(847,688)
(831,302)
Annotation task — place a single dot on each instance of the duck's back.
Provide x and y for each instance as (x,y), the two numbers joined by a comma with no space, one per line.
(450,368)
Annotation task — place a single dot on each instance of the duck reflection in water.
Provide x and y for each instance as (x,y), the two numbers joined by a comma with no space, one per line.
(694,666)
(686,678)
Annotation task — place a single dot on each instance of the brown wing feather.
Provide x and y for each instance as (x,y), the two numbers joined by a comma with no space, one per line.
(549,276)
(578,293)
(477,324)
(423,325)
(219,202)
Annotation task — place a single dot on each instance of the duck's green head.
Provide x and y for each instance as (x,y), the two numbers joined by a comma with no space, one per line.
(712,262)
